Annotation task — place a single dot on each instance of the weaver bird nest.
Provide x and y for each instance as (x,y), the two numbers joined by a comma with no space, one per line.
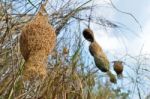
(88,34)
(118,67)
(37,40)
(100,58)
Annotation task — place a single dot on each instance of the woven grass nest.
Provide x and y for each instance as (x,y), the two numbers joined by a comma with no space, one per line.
(101,60)
(37,40)
(88,34)
(118,68)
(99,56)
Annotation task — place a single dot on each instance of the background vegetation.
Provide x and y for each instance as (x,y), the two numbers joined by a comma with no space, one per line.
(72,73)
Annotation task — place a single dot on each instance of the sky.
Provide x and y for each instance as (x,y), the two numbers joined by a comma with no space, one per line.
(140,9)
(129,38)
(128,41)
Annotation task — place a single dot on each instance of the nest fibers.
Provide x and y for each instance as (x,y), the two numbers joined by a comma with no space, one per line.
(37,40)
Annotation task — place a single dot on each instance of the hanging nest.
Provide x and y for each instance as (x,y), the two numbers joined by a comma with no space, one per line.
(88,34)
(101,60)
(112,77)
(118,67)
(37,40)
(35,66)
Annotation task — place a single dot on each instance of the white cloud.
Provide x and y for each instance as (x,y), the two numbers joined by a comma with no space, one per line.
(101,1)
(106,41)
(146,37)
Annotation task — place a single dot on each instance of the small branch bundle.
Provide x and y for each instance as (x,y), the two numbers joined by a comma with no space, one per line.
(37,40)
(100,58)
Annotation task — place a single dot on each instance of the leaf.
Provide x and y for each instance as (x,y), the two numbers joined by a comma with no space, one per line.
(75,55)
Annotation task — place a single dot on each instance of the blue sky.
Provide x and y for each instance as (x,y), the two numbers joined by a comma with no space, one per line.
(131,42)
(125,41)
(140,9)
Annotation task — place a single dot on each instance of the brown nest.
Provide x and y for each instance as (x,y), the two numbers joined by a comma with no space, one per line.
(37,40)
(88,34)
(100,58)
(118,67)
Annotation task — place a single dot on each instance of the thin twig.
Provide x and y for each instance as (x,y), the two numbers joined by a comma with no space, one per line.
(126,13)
